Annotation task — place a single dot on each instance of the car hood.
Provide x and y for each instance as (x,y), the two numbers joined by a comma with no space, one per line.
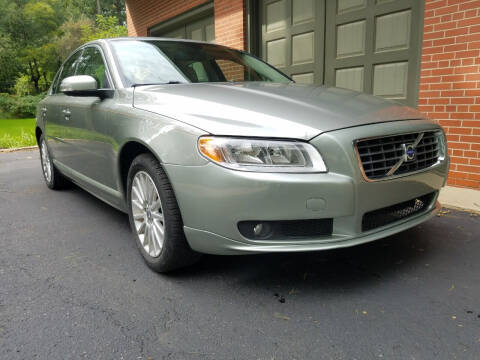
(268,109)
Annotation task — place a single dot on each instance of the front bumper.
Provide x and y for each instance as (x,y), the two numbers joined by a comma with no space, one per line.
(213,200)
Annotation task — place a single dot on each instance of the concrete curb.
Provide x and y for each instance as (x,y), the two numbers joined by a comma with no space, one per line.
(460,198)
(26,148)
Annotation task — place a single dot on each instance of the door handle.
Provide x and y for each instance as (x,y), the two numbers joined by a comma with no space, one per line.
(66,114)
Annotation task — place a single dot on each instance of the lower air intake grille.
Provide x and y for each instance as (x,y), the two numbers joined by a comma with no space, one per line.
(391,214)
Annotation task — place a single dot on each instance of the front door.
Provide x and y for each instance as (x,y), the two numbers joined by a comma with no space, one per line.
(90,144)
(54,113)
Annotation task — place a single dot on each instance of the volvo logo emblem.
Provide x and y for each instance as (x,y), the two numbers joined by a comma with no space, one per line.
(409,152)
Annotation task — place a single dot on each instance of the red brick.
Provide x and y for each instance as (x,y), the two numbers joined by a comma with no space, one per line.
(470,139)
(471,124)
(452,93)
(472,77)
(453,78)
(435,4)
(464,54)
(443,56)
(466,69)
(458,145)
(456,32)
(474,176)
(464,85)
(465,5)
(441,86)
(469,169)
(467,22)
(459,160)
(459,115)
(467,183)
(456,47)
(462,100)
(460,130)
(474,45)
(472,92)
(446,26)
(450,122)
(446,10)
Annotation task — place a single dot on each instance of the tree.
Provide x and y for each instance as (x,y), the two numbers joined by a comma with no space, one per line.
(10,65)
(36,35)
(105,27)
(30,25)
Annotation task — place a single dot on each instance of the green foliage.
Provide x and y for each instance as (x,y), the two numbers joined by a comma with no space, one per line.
(70,36)
(23,86)
(19,106)
(37,35)
(10,65)
(17,133)
(105,27)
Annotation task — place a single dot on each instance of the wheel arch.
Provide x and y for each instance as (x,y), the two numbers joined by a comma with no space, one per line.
(127,153)
(38,134)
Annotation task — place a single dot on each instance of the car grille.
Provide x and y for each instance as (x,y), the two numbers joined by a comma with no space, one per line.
(378,156)
(391,214)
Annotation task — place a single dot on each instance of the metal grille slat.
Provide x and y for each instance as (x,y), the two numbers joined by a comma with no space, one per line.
(377,156)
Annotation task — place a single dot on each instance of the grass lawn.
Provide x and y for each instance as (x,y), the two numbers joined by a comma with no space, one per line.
(17,133)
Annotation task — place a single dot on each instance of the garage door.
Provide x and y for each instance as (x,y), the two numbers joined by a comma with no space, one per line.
(202,30)
(292,37)
(373,46)
(366,45)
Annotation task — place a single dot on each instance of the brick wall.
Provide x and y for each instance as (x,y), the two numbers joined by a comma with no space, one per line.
(230,19)
(230,23)
(450,82)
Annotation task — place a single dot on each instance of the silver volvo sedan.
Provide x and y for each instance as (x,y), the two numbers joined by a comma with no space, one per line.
(211,150)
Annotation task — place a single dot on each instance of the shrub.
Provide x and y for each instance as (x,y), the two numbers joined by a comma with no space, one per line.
(19,106)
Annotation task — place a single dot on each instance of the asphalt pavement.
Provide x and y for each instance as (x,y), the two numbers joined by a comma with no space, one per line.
(73,286)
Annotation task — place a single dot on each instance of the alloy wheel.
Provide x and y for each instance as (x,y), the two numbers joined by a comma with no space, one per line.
(46,164)
(147,213)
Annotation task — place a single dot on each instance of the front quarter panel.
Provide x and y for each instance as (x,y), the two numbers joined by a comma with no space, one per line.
(171,141)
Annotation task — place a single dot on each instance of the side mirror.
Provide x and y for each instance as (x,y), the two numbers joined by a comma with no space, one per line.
(83,85)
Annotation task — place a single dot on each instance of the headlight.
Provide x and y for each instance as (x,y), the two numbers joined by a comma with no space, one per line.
(262,155)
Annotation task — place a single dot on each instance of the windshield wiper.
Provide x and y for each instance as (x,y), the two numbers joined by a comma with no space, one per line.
(160,83)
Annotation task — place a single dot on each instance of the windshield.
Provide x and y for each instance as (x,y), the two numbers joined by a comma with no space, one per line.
(149,62)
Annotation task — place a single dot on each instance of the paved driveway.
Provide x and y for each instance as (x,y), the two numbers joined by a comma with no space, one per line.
(73,286)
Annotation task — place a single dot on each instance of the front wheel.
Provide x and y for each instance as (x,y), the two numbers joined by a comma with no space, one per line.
(155,218)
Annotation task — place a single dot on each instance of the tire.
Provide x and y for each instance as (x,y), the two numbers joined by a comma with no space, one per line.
(148,213)
(53,178)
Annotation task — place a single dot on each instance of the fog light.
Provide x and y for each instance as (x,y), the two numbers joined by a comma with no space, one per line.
(262,230)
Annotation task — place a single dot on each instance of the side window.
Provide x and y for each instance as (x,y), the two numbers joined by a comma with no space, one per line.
(68,70)
(91,63)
